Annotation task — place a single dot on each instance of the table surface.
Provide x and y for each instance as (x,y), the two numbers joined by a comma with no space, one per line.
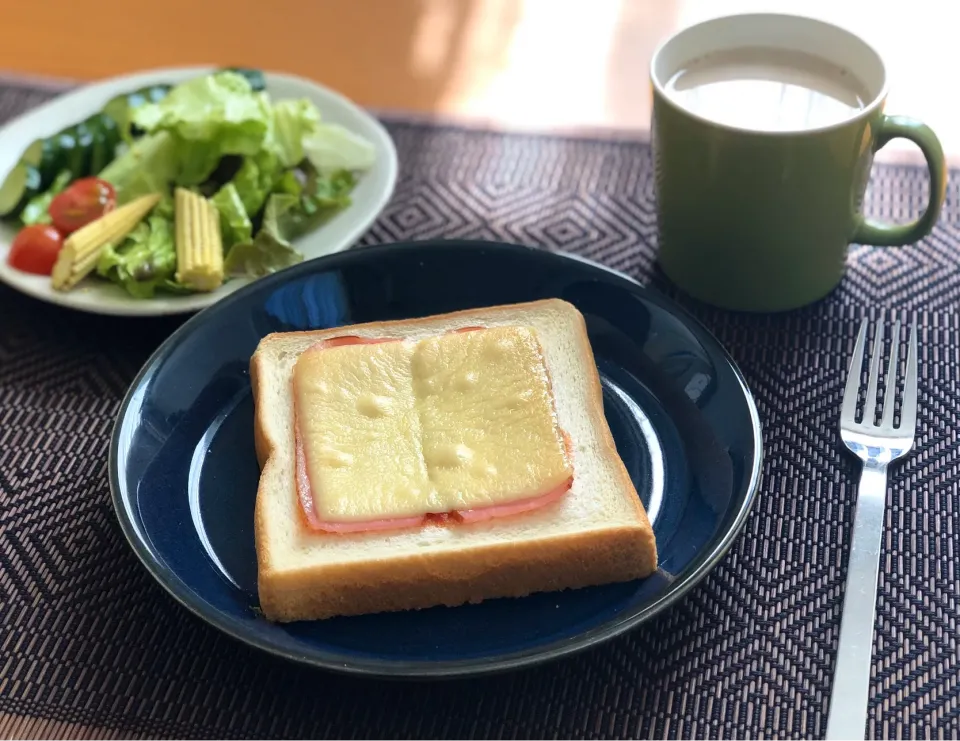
(540,64)
(752,650)
(91,647)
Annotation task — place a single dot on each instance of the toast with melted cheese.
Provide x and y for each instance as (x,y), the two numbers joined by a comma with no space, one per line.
(437,461)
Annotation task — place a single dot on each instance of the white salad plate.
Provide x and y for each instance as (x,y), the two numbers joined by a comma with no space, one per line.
(371,194)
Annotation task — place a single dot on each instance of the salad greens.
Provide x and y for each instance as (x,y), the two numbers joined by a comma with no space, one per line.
(235,225)
(35,212)
(145,261)
(148,166)
(331,147)
(294,172)
(209,117)
(255,179)
(291,121)
(271,249)
(274,170)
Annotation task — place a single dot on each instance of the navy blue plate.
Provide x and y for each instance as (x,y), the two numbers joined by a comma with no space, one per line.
(184,475)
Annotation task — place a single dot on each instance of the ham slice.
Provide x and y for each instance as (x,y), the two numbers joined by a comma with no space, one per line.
(313,520)
(352,339)
(515,508)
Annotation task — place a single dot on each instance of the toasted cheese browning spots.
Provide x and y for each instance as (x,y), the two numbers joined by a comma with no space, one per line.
(460,422)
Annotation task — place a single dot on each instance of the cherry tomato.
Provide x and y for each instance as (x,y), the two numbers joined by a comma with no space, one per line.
(35,249)
(82,202)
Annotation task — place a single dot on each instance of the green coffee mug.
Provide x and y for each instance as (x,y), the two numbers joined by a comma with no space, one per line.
(755,219)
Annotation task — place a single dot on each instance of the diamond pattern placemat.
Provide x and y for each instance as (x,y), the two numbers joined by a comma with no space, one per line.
(90,646)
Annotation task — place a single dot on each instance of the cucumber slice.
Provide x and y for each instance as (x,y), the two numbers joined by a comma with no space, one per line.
(102,129)
(52,159)
(37,209)
(64,150)
(118,108)
(33,154)
(20,185)
(111,138)
(156,93)
(77,154)
(128,101)
(98,150)
(254,76)
(64,143)
(137,99)
(84,149)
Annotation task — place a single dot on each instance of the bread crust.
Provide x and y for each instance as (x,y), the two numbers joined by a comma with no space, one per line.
(265,447)
(416,581)
(594,556)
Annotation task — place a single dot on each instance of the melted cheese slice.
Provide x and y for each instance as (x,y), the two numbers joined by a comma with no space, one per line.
(457,422)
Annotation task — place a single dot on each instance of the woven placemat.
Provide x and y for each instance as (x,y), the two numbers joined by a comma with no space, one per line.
(91,646)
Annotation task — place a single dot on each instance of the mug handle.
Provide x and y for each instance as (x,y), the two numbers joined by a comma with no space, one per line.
(891,235)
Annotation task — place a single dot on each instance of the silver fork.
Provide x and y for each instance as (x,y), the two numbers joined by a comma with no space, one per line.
(877,445)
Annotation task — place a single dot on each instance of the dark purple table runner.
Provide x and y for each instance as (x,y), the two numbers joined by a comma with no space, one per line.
(88,639)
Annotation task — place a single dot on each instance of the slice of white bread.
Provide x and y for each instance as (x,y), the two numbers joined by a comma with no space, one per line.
(597,533)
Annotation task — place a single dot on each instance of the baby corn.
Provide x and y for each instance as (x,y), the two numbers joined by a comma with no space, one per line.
(199,242)
(82,249)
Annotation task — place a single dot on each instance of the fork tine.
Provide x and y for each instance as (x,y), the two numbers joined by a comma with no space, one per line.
(889,396)
(908,411)
(848,411)
(870,403)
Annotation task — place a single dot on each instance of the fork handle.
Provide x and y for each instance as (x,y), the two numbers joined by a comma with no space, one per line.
(847,718)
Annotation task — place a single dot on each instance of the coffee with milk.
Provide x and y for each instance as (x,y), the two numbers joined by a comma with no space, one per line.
(767,89)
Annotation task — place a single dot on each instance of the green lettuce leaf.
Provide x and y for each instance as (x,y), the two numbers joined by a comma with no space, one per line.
(289,184)
(196,161)
(292,120)
(235,225)
(271,249)
(145,261)
(255,179)
(289,215)
(320,198)
(148,166)
(36,210)
(331,147)
(331,191)
(165,208)
(210,116)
